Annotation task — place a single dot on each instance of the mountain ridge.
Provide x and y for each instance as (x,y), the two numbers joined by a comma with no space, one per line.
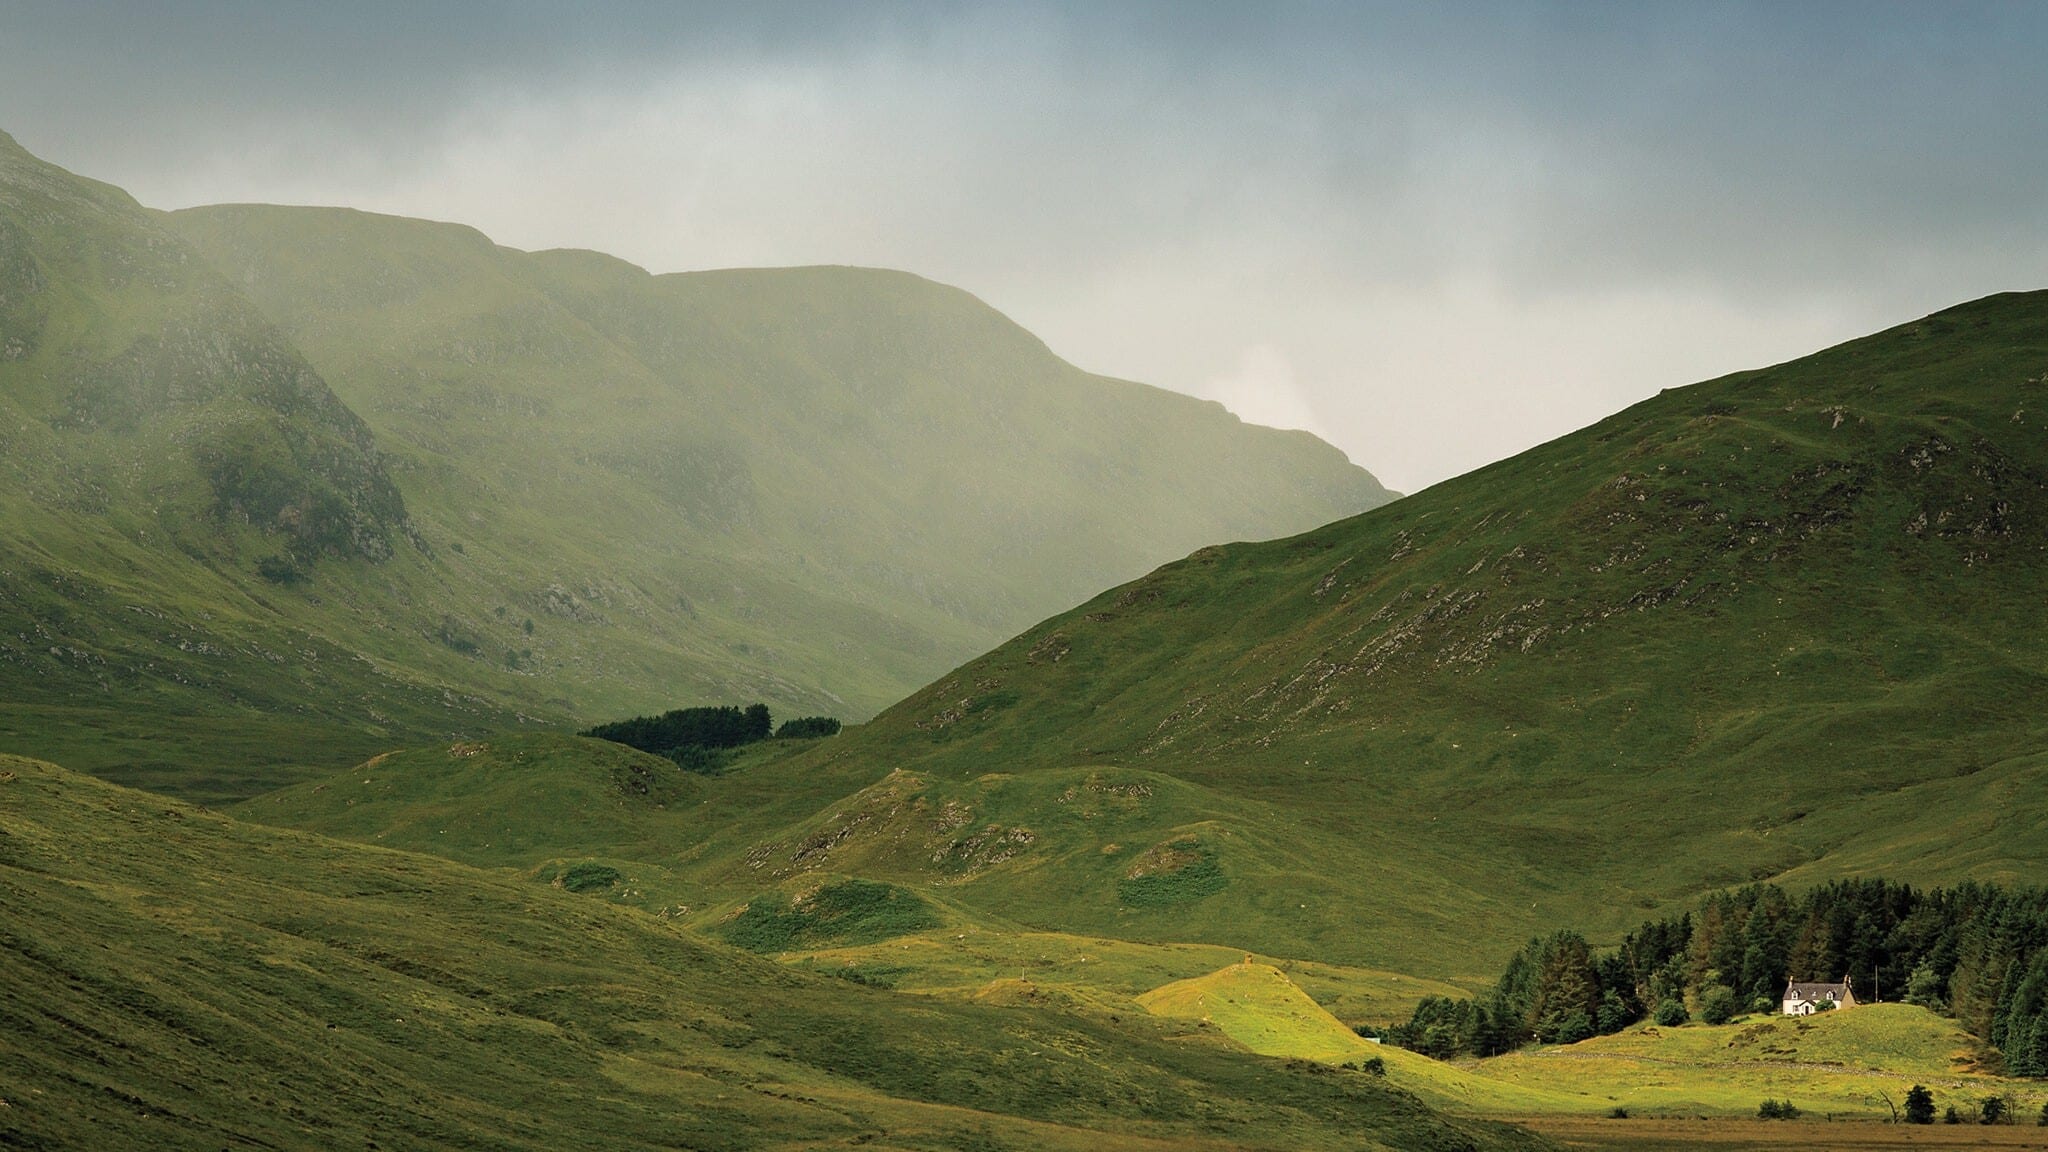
(506,516)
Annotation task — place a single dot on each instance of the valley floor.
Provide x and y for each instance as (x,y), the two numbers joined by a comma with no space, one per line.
(1599,1134)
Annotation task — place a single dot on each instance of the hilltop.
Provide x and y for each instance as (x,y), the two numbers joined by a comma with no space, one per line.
(290,487)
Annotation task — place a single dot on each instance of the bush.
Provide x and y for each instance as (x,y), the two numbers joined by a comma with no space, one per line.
(280,569)
(1919,1105)
(1617,1113)
(1950,1116)
(1992,1111)
(1371,1066)
(2043,1121)
(1718,1004)
(850,912)
(1672,1014)
(589,877)
(1777,1110)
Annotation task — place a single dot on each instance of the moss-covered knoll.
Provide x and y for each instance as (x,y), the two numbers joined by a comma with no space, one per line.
(173,978)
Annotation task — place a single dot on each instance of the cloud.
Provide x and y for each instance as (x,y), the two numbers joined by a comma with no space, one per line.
(1455,230)
(1261,389)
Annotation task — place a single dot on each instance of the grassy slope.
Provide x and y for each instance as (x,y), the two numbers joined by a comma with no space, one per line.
(158,438)
(176,978)
(1258,1006)
(1840,1064)
(573,490)
(1785,624)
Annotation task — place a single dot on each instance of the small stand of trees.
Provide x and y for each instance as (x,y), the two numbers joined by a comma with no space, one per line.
(1977,952)
(695,737)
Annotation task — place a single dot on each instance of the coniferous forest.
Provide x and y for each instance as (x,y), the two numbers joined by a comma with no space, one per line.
(1975,952)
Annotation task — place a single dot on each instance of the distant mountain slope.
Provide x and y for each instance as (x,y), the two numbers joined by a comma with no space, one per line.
(547,486)
(162,447)
(1790,623)
(171,978)
(891,447)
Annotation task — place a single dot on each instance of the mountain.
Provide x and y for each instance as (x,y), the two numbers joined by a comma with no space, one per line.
(177,979)
(290,486)
(1782,625)
(164,447)
(854,478)
(1786,624)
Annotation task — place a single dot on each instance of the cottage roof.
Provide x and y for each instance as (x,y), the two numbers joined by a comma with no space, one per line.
(1795,990)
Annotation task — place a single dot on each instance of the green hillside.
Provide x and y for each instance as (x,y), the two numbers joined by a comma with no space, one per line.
(172,978)
(1784,624)
(543,488)
(163,446)
(845,479)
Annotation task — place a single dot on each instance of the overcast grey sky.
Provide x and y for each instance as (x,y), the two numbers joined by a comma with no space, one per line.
(1434,234)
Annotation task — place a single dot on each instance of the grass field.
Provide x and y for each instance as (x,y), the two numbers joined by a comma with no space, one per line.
(1835,1066)
(1598,1135)
(1838,1063)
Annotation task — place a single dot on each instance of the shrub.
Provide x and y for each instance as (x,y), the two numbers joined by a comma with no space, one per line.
(1189,873)
(1777,1110)
(1992,1111)
(1950,1116)
(1372,1066)
(850,912)
(280,569)
(589,877)
(1617,1113)
(1671,1014)
(1919,1105)
(1718,1004)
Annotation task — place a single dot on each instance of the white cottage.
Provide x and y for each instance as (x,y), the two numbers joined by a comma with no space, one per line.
(1806,999)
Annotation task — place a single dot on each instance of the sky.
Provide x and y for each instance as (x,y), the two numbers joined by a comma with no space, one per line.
(1433,234)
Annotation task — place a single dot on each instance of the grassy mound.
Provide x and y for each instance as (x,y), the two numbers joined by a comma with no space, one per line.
(511,800)
(848,912)
(1257,1006)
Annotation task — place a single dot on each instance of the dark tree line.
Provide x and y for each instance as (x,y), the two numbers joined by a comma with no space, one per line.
(1978,953)
(724,726)
(695,737)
